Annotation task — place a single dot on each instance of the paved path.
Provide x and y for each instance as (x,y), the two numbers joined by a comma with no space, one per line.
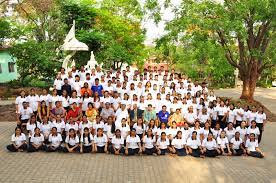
(266,96)
(59,167)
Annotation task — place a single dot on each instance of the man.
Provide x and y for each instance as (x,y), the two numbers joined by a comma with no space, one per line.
(149,114)
(164,115)
(67,87)
(97,87)
(24,116)
(107,111)
(85,88)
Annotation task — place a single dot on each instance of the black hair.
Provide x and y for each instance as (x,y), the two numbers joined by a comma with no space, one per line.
(151,133)
(83,135)
(72,129)
(35,130)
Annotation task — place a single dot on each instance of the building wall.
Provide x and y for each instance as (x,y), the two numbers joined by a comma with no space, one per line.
(5,74)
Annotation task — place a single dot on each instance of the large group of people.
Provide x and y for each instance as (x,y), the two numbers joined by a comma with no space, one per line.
(154,112)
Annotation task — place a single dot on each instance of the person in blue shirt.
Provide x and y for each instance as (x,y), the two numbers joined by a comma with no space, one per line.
(97,88)
(164,115)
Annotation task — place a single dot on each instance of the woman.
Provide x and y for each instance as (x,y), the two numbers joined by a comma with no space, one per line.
(230,131)
(152,126)
(43,110)
(72,142)
(223,144)
(18,140)
(161,129)
(98,124)
(100,142)
(59,124)
(97,101)
(86,99)
(124,128)
(253,129)
(222,114)
(65,100)
(252,147)
(75,99)
(194,146)
(54,98)
(85,124)
(117,143)
(197,129)
(31,125)
(210,146)
(149,143)
(231,114)
(261,121)
(55,141)
(45,128)
(242,130)
(133,144)
(36,141)
(216,130)
(179,145)
(162,144)
(109,128)
(205,131)
(237,145)
(91,112)
(71,125)
(140,128)
(86,140)
(172,131)
(203,117)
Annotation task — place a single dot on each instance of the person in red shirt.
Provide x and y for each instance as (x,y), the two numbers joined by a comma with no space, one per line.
(74,112)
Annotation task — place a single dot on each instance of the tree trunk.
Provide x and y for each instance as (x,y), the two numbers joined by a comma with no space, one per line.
(248,89)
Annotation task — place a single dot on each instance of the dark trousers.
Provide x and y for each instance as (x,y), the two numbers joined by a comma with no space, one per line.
(53,149)
(11,147)
(23,123)
(132,151)
(111,150)
(59,92)
(260,126)
(213,123)
(100,149)
(140,136)
(255,154)
(181,152)
(195,152)
(87,149)
(225,151)
(33,149)
(222,123)
(163,151)
(77,149)
(150,151)
(211,153)
(238,123)
(237,152)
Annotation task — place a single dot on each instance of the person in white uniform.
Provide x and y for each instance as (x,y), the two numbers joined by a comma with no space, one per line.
(252,147)
(18,140)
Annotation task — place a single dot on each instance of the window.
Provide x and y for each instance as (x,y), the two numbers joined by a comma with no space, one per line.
(0,68)
(11,66)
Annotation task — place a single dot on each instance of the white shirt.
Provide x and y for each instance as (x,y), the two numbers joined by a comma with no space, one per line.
(124,130)
(236,143)
(68,126)
(37,140)
(58,83)
(58,125)
(163,144)
(18,140)
(46,128)
(85,102)
(190,117)
(25,113)
(139,129)
(148,142)
(215,132)
(83,125)
(107,130)
(98,125)
(260,117)
(55,140)
(100,141)
(117,142)
(45,98)
(85,140)
(31,127)
(19,101)
(230,133)
(209,145)
(251,146)
(178,143)
(256,131)
(241,111)
(222,142)
(221,110)
(72,141)
(33,102)
(54,99)
(242,132)
(231,116)
(133,141)
(194,144)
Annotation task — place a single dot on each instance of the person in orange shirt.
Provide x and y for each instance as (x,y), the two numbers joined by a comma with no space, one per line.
(85,88)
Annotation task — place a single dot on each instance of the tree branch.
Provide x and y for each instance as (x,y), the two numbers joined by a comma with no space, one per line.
(261,33)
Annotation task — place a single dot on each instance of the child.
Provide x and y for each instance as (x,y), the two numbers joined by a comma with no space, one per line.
(237,145)
(18,140)
(117,143)
(100,142)
(162,144)
(149,143)
(179,145)
(86,141)
(36,141)
(252,147)
(210,146)
(133,145)
(55,141)
(72,142)
(223,144)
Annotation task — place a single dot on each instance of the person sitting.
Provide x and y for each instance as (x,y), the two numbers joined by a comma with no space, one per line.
(164,115)
(18,140)
(75,112)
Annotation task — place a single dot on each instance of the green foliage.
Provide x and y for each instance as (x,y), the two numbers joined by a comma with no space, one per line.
(5,30)
(36,60)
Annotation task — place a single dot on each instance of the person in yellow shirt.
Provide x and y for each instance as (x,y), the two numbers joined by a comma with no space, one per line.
(91,112)
(177,117)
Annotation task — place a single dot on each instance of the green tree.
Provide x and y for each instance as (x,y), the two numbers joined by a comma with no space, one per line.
(243,29)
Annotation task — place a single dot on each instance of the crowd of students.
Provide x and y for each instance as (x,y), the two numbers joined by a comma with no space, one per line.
(154,112)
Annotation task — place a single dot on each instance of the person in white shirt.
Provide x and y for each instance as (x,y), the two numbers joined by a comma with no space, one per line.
(72,142)
(222,114)
(45,128)
(19,101)
(140,128)
(179,145)
(86,140)
(33,100)
(109,128)
(55,141)
(31,125)
(223,144)
(242,130)
(18,140)
(253,129)
(133,144)
(36,141)
(210,147)
(117,143)
(230,131)
(194,146)
(261,121)
(239,114)
(162,144)
(100,142)
(149,143)
(252,147)
(237,145)
(231,114)
(24,116)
